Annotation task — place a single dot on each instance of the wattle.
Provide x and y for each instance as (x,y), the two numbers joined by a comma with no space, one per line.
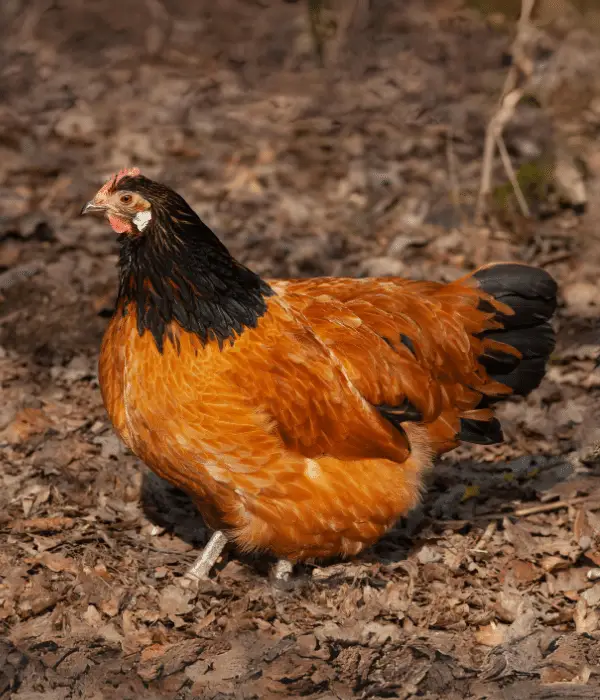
(118,224)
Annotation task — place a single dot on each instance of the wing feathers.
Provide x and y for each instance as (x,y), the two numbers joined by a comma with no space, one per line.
(413,349)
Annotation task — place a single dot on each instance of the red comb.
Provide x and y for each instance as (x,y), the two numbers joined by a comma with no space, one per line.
(112,183)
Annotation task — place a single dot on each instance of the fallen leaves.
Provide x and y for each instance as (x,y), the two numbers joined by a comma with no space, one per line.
(491,635)
(26,423)
(53,524)
(492,577)
(37,598)
(521,572)
(571,660)
(581,298)
(58,563)
(173,602)
(586,617)
(161,660)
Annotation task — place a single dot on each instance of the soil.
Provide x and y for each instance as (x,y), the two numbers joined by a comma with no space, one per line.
(367,165)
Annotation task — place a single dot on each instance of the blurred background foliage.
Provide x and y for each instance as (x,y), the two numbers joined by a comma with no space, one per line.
(379,95)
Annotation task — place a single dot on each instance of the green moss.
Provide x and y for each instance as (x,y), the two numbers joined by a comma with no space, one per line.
(534,178)
(509,8)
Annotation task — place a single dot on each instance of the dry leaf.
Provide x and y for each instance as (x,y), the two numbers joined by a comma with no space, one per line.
(573,579)
(509,604)
(521,572)
(174,600)
(524,544)
(26,423)
(592,596)
(586,619)
(553,563)
(55,524)
(491,635)
(92,616)
(582,529)
(58,563)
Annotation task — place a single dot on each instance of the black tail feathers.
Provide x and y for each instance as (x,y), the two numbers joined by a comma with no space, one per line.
(531,293)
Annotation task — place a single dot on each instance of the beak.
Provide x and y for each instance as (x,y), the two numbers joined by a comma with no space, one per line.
(91,208)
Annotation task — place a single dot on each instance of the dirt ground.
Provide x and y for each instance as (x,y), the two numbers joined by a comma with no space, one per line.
(368,166)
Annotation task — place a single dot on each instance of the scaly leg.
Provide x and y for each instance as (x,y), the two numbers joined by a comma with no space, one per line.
(282,571)
(205,562)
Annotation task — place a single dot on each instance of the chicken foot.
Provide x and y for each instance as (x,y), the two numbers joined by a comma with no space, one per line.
(203,565)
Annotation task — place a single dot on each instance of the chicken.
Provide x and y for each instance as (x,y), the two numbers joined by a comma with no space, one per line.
(300,415)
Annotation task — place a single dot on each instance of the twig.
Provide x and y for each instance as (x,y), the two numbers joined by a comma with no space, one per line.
(510,171)
(514,88)
(553,258)
(53,524)
(556,505)
(543,507)
(520,512)
(486,537)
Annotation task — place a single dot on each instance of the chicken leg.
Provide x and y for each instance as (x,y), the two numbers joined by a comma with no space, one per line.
(205,562)
(203,565)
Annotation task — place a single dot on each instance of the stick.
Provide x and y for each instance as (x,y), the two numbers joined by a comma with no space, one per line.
(512,176)
(486,537)
(557,505)
(515,84)
(521,512)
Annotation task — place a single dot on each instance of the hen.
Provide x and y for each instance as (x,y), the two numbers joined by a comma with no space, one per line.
(300,415)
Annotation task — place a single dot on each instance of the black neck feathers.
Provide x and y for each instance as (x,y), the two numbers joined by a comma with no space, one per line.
(178,270)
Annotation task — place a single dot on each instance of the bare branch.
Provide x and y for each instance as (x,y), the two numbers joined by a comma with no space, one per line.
(514,88)
(512,176)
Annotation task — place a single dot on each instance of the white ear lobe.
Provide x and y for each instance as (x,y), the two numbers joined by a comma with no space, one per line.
(142,219)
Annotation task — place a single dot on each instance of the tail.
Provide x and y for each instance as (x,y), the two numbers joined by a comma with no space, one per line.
(530,293)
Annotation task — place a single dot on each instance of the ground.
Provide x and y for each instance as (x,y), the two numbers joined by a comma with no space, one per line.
(368,165)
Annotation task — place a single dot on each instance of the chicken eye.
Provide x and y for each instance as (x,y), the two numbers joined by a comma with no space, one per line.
(125,199)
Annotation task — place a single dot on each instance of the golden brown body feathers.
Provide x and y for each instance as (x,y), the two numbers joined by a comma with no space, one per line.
(300,414)
(277,437)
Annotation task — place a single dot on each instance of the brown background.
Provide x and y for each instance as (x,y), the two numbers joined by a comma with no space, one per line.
(369,165)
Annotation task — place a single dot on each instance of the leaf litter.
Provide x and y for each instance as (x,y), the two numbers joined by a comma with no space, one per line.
(488,588)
